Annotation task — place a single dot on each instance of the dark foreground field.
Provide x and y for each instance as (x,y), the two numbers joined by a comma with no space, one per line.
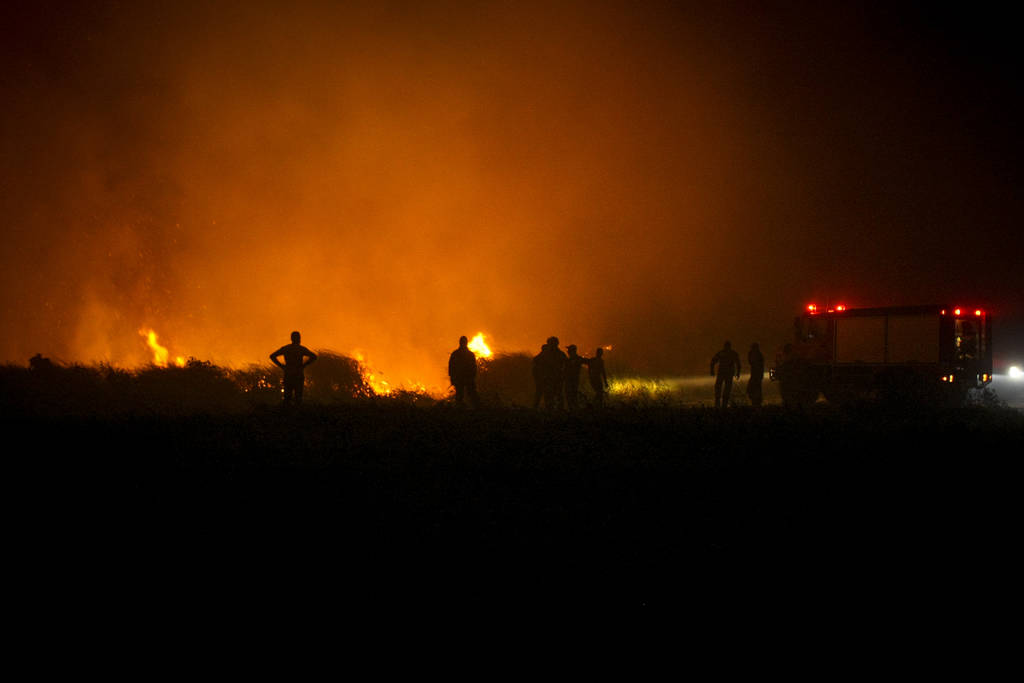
(376,499)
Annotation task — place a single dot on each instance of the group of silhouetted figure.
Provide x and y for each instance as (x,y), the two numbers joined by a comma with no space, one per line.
(727,363)
(556,374)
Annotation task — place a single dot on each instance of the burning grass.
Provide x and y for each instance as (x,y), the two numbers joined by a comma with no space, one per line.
(193,387)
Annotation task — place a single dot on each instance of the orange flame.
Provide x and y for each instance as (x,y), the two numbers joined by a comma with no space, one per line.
(160,353)
(376,382)
(478,346)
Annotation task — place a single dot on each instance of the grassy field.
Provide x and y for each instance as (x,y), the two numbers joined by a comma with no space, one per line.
(404,487)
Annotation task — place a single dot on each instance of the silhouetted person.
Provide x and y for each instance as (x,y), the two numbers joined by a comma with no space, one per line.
(728,362)
(462,373)
(295,361)
(756,360)
(573,366)
(538,376)
(598,378)
(549,372)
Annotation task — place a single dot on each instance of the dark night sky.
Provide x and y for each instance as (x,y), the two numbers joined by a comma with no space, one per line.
(388,176)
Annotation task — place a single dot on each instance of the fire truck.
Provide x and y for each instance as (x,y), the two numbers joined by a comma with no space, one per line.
(913,353)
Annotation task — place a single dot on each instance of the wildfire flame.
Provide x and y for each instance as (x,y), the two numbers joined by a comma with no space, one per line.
(378,384)
(161,355)
(478,346)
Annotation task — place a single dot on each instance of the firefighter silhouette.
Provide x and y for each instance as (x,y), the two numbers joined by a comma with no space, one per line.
(728,362)
(756,361)
(538,376)
(295,361)
(462,373)
(598,377)
(549,374)
(573,366)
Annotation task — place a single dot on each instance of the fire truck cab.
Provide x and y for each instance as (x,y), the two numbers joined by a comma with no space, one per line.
(912,352)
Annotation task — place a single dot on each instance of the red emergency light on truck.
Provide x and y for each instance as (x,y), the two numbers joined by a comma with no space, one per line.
(910,351)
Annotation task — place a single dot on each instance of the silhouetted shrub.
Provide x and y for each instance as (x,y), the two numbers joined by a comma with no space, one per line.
(335,377)
(506,379)
(58,389)
(261,384)
(409,397)
(985,397)
(200,386)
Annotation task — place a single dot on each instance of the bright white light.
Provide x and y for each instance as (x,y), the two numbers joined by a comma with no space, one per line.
(1016,373)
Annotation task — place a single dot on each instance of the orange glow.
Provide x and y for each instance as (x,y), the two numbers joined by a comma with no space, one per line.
(478,346)
(160,353)
(956,311)
(387,180)
(373,378)
(977,312)
(388,177)
(840,307)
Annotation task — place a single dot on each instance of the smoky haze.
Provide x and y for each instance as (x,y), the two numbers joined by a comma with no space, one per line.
(386,178)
